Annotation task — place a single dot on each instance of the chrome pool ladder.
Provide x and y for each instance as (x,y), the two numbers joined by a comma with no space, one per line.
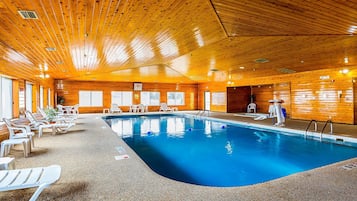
(202,113)
(308,126)
(331,128)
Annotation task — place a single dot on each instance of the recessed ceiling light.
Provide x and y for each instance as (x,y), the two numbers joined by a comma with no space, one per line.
(242,67)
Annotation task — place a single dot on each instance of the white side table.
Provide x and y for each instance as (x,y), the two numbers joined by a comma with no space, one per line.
(7,163)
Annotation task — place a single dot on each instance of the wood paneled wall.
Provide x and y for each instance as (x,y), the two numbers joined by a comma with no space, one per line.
(283,91)
(318,95)
(211,87)
(262,95)
(320,99)
(4,132)
(354,83)
(71,89)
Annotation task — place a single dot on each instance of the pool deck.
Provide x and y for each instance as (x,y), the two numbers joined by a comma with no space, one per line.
(90,172)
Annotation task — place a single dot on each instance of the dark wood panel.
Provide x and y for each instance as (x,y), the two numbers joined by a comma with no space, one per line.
(238,99)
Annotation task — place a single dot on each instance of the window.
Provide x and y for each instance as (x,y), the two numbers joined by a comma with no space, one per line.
(150,98)
(122,98)
(218,98)
(41,96)
(22,99)
(175,98)
(6,97)
(49,97)
(28,97)
(91,98)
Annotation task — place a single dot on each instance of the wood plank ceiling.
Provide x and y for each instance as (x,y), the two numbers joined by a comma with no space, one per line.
(175,41)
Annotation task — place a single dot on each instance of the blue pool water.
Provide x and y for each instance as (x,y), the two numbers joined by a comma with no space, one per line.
(214,153)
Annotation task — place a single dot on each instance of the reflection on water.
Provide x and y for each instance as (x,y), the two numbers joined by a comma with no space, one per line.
(172,126)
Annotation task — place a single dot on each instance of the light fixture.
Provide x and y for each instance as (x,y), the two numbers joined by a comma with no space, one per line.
(44,75)
(344,71)
(43,70)
(346,60)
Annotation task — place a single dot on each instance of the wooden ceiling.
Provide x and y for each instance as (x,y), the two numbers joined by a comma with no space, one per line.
(175,41)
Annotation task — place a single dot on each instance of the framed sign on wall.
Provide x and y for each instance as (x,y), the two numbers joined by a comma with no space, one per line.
(138,86)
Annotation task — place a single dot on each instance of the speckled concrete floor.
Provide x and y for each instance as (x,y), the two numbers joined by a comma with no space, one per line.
(90,172)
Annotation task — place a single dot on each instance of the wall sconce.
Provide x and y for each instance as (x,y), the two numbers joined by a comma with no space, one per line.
(59,84)
(339,94)
(230,83)
(44,75)
(43,70)
(345,60)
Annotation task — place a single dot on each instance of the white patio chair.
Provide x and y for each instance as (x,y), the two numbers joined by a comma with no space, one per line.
(75,111)
(115,108)
(142,108)
(60,109)
(165,108)
(252,107)
(40,178)
(20,131)
(7,144)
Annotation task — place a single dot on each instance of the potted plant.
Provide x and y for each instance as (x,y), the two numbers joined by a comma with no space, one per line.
(60,100)
(51,114)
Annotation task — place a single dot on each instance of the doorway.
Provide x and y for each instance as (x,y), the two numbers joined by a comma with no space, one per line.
(207,101)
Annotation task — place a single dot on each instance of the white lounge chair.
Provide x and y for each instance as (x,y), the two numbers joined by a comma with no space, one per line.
(75,110)
(165,108)
(60,126)
(61,109)
(115,108)
(40,177)
(66,118)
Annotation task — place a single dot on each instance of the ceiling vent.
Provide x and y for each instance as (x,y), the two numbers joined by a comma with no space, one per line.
(50,49)
(27,14)
(261,60)
(285,70)
(214,70)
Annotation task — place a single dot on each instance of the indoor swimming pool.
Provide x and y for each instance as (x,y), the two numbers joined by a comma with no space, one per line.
(215,153)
